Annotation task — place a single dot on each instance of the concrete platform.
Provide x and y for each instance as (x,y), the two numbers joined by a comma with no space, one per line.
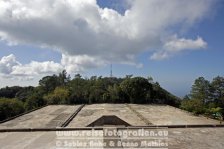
(93,112)
(48,117)
(167,115)
(196,138)
(139,115)
(135,115)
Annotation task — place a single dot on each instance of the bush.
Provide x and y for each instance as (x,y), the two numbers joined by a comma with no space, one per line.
(10,108)
(34,101)
(192,105)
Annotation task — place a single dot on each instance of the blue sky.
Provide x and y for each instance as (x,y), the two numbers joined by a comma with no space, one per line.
(196,47)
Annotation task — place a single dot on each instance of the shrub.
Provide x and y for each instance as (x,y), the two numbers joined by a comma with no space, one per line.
(10,107)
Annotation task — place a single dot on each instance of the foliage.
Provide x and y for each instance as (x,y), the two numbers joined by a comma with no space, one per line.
(59,96)
(61,89)
(195,106)
(205,97)
(116,95)
(136,89)
(9,92)
(200,90)
(216,110)
(217,91)
(49,83)
(34,100)
(24,93)
(10,107)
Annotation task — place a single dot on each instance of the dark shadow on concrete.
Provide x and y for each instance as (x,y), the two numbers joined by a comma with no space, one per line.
(108,120)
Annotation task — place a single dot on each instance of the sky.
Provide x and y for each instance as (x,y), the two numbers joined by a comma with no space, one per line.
(173,41)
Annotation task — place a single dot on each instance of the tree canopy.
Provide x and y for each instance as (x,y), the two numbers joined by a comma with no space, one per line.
(206,97)
(61,89)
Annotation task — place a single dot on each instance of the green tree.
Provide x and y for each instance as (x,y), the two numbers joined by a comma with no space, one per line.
(116,94)
(59,96)
(136,89)
(217,91)
(10,92)
(34,101)
(49,83)
(24,93)
(79,89)
(201,90)
(199,97)
(63,78)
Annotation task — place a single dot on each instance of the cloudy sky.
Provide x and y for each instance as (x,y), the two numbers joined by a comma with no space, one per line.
(174,41)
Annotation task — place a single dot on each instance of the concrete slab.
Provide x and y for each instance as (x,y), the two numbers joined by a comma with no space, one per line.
(53,116)
(48,117)
(90,113)
(199,138)
(167,115)
(134,114)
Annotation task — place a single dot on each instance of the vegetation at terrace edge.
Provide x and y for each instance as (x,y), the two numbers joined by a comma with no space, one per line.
(61,89)
(206,97)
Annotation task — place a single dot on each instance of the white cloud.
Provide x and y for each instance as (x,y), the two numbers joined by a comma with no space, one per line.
(11,68)
(176,45)
(36,68)
(160,55)
(93,35)
(77,64)
(7,63)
